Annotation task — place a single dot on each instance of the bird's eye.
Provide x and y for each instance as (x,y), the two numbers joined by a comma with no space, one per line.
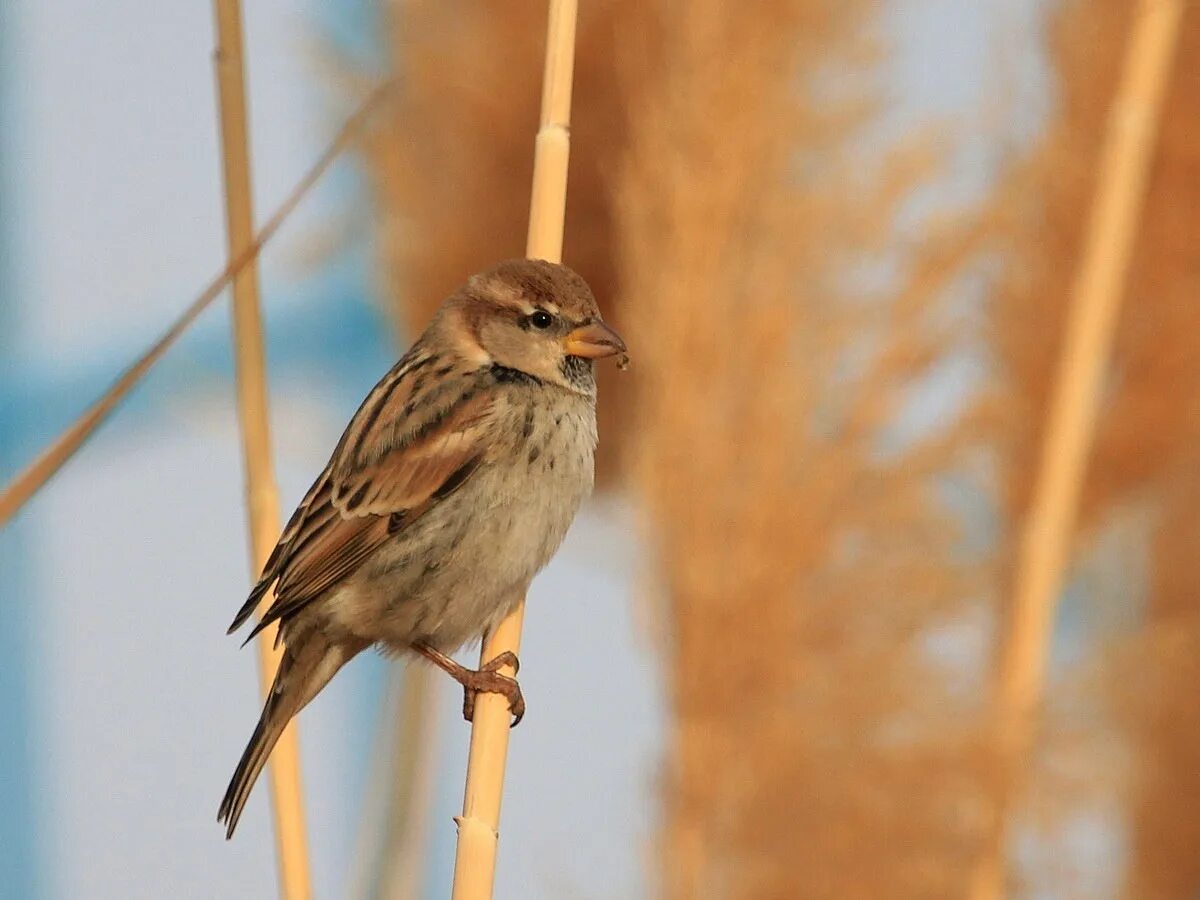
(541,319)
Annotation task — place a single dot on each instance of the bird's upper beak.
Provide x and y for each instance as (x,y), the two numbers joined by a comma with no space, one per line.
(594,341)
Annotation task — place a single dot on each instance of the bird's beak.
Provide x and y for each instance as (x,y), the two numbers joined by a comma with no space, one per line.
(594,341)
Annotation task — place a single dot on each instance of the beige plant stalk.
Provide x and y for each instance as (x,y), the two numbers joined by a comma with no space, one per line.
(1050,524)
(478,826)
(33,477)
(262,494)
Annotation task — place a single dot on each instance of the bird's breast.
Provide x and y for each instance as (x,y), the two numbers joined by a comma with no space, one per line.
(455,571)
(548,471)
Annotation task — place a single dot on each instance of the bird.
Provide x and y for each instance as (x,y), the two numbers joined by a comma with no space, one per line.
(452,486)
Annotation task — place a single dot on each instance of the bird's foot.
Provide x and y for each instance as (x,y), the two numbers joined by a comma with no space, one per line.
(486,678)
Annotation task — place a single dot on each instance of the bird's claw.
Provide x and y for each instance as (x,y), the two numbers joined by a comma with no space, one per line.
(500,660)
(487,678)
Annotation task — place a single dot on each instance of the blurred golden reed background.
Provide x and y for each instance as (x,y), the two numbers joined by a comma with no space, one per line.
(832,433)
(829,604)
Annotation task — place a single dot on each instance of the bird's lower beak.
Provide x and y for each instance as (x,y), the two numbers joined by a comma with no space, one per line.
(594,341)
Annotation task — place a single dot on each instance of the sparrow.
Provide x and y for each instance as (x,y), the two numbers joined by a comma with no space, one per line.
(452,486)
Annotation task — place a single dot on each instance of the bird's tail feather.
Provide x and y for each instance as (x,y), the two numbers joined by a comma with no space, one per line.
(306,666)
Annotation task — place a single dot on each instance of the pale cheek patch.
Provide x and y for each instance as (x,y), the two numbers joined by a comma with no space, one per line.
(475,354)
(470,349)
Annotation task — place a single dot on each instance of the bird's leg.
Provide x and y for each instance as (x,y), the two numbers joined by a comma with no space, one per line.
(486,678)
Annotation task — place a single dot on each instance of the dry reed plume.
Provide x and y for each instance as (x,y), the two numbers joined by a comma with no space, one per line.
(1042,212)
(817,751)
(1155,443)
(1147,430)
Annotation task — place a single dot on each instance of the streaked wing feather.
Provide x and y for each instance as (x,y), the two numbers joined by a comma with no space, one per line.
(408,446)
(406,477)
(347,545)
(330,555)
(284,547)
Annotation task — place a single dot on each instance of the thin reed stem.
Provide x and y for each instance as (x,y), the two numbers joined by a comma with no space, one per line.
(1043,554)
(30,480)
(478,826)
(262,493)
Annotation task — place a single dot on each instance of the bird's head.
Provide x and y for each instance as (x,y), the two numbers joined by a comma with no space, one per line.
(535,317)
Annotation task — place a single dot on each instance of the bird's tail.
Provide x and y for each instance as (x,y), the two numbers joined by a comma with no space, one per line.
(306,666)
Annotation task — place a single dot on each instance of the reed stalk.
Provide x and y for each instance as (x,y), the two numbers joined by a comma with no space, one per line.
(33,477)
(262,493)
(478,826)
(1074,407)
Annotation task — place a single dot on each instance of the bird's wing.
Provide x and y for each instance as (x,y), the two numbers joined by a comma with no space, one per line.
(415,439)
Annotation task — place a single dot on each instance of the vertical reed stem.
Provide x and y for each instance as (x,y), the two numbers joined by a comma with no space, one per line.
(1095,303)
(475,861)
(262,499)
